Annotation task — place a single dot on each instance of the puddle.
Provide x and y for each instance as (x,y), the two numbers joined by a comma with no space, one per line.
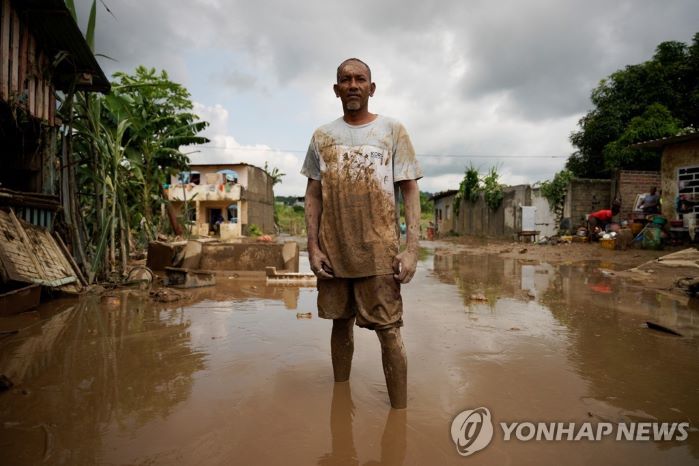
(234,376)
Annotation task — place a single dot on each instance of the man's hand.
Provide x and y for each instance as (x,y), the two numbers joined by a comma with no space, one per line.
(320,264)
(404,266)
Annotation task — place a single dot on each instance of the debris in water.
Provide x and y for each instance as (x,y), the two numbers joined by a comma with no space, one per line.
(165,295)
(478,297)
(189,278)
(661,328)
(304,315)
(689,285)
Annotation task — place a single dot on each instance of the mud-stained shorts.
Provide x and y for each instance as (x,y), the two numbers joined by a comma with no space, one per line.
(374,301)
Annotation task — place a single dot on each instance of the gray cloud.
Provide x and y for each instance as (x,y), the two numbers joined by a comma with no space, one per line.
(476,77)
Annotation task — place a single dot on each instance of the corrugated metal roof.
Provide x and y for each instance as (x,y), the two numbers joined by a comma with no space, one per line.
(224,165)
(53,27)
(662,142)
(442,194)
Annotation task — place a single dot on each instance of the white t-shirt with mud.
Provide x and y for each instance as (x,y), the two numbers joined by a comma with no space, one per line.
(357,167)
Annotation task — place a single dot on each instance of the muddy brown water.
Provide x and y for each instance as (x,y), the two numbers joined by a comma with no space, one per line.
(234,377)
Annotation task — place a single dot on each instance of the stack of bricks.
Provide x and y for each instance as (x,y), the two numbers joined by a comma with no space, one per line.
(631,183)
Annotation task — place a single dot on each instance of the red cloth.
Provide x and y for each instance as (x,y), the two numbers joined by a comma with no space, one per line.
(604,215)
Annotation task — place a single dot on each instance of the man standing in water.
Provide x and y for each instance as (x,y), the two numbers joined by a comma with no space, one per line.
(354,165)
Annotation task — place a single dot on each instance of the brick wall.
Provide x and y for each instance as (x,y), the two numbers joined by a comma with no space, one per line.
(585,196)
(630,183)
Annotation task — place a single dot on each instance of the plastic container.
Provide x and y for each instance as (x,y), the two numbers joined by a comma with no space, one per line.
(609,243)
(636,228)
(659,220)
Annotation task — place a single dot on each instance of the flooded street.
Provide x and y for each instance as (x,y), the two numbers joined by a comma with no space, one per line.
(236,377)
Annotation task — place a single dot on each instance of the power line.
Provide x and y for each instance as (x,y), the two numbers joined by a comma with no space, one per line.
(475,156)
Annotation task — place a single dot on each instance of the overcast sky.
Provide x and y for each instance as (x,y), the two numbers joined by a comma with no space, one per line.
(490,83)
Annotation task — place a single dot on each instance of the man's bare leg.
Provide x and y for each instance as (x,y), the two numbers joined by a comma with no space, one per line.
(395,366)
(342,348)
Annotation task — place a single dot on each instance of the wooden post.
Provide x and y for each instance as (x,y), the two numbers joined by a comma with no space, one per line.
(14,48)
(39,104)
(23,44)
(5,50)
(52,106)
(31,72)
(176,227)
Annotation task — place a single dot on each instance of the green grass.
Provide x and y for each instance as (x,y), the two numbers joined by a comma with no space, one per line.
(290,219)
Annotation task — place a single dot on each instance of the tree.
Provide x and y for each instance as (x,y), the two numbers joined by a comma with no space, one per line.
(555,193)
(161,121)
(645,101)
(473,185)
(275,174)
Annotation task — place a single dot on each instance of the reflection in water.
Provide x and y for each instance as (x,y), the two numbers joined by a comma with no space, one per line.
(633,373)
(341,414)
(342,411)
(231,376)
(87,369)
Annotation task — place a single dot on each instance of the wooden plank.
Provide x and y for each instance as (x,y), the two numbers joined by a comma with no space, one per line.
(31,73)
(69,257)
(28,245)
(52,106)
(9,271)
(5,49)
(23,44)
(14,59)
(39,103)
(47,102)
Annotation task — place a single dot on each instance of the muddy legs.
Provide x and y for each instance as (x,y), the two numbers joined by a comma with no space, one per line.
(342,348)
(395,366)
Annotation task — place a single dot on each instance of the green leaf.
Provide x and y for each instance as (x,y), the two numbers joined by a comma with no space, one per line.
(90,36)
(71,9)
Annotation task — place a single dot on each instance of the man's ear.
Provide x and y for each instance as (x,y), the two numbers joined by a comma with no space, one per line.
(373,89)
(335,89)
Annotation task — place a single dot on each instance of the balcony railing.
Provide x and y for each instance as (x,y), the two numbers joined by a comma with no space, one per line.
(205,192)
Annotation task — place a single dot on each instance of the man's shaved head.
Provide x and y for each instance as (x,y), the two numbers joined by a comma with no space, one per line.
(357,60)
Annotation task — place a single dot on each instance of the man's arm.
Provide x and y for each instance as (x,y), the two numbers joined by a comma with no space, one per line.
(405,263)
(320,264)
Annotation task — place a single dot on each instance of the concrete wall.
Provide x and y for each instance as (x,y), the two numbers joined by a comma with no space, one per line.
(585,196)
(240,168)
(678,156)
(260,201)
(478,219)
(630,183)
(444,222)
(250,256)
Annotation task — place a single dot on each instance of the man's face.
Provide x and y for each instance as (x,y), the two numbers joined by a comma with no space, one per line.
(354,86)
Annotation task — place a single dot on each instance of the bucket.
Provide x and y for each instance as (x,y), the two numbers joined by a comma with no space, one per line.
(609,243)
(658,220)
(636,228)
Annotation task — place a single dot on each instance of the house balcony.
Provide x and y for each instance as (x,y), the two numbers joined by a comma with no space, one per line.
(205,192)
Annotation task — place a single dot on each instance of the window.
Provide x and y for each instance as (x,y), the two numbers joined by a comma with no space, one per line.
(189,177)
(688,190)
(233,213)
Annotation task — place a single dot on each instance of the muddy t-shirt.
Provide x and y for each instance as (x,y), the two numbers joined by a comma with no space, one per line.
(357,167)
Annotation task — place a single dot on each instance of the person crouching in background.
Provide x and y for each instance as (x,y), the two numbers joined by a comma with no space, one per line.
(598,222)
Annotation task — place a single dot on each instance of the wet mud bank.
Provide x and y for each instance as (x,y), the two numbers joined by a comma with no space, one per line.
(238,373)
